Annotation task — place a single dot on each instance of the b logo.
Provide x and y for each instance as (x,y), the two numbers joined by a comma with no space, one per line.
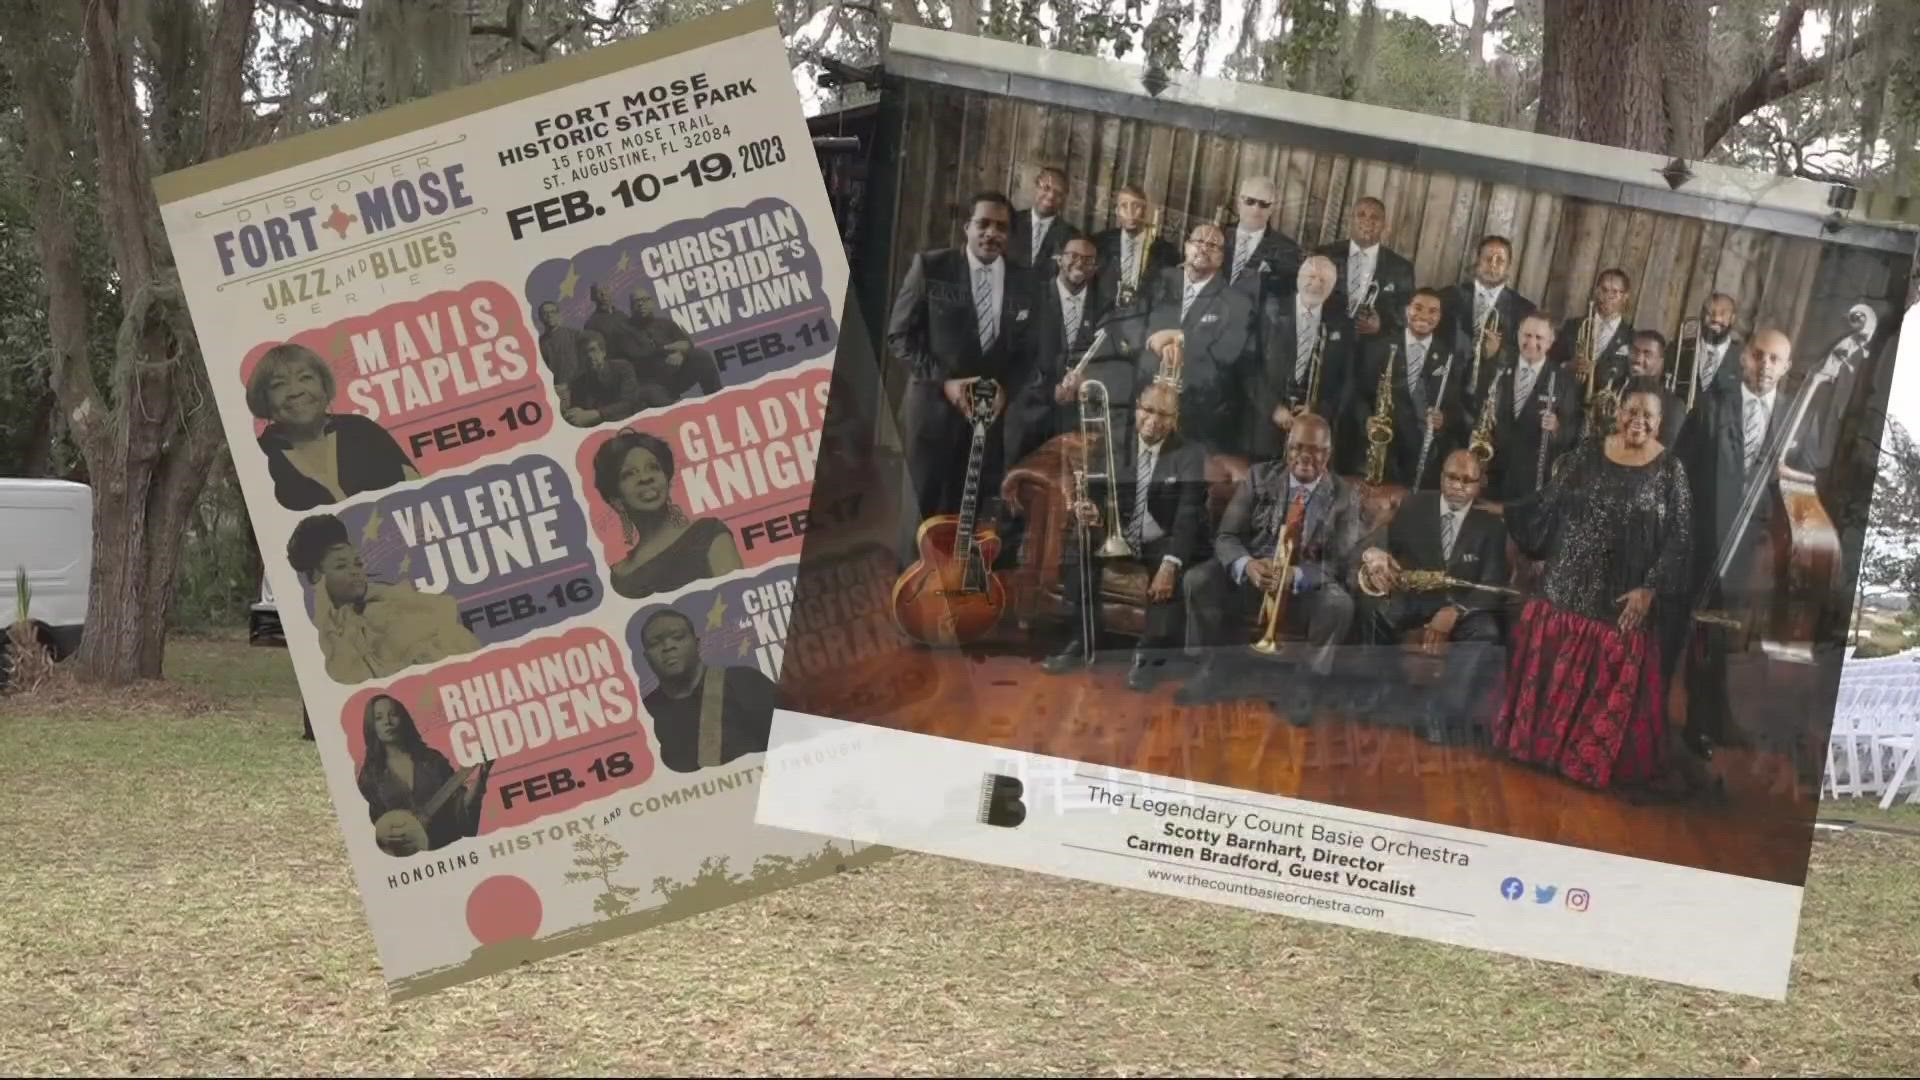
(1000,802)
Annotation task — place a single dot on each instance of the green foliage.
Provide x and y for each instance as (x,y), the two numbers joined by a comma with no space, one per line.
(219,575)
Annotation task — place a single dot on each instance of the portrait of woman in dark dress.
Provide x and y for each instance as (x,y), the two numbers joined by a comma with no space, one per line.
(633,472)
(317,457)
(399,778)
(1585,696)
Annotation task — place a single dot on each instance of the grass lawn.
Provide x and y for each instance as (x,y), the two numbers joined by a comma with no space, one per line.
(177,899)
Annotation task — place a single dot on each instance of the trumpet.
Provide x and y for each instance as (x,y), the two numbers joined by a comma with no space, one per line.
(1096,421)
(1364,302)
(1686,361)
(1172,364)
(1274,606)
(1490,325)
(1481,445)
(1380,424)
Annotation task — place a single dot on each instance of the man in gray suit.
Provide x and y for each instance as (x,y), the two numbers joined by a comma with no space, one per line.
(1224,593)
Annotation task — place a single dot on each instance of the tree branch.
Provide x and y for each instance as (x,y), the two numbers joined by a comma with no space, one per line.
(1780,78)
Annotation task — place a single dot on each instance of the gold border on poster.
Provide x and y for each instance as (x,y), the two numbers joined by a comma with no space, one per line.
(251,164)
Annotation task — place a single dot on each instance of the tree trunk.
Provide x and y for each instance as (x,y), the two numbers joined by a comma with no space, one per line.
(1476,59)
(150,445)
(1600,77)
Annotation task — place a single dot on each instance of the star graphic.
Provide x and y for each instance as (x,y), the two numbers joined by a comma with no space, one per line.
(717,614)
(568,283)
(625,261)
(372,531)
(745,644)
(339,220)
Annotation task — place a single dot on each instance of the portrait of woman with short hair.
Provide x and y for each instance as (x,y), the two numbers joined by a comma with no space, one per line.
(633,472)
(317,456)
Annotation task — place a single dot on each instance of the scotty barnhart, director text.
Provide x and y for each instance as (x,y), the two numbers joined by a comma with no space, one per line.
(1308,862)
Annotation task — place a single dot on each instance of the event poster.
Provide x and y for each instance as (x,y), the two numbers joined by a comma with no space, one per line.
(1338,513)
(525,386)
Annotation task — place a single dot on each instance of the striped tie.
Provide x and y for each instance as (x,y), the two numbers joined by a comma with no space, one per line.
(1192,291)
(1071,316)
(1129,256)
(1449,528)
(983,304)
(1240,258)
(1756,432)
(1142,482)
(1524,375)
(1416,358)
(1303,346)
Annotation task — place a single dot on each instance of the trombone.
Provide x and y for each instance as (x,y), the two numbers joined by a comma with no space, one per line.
(1686,361)
(1095,420)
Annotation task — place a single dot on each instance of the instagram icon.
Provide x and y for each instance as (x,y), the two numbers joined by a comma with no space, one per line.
(1577,899)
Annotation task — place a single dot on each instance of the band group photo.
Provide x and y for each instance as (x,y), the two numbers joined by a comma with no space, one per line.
(1246,467)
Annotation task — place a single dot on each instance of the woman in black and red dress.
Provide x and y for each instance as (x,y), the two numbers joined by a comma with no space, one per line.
(1585,694)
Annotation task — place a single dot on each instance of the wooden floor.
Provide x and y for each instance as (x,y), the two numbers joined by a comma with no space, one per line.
(1763,830)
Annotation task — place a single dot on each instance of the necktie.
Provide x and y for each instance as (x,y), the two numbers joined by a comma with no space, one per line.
(1709,364)
(1416,360)
(983,303)
(1040,231)
(1192,291)
(1072,317)
(1296,511)
(1756,432)
(1303,345)
(1142,482)
(1242,252)
(1523,377)
(1449,527)
(1480,302)
(1129,256)
(1357,273)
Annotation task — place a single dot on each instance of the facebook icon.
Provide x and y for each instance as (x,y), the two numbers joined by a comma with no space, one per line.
(1512,888)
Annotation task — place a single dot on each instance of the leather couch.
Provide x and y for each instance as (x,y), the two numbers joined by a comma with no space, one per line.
(1038,488)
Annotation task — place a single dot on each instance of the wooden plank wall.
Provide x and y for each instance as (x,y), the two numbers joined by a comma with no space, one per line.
(1560,244)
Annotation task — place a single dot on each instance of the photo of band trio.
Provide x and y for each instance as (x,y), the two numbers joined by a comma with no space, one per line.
(1348,473)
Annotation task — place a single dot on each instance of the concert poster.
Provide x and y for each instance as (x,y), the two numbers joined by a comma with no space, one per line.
(421,327)
(1343,514)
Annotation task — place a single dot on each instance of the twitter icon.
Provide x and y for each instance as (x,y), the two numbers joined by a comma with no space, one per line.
(1512,888)
(1543,894)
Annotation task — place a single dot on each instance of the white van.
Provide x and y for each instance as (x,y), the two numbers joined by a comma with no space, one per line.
(46,526)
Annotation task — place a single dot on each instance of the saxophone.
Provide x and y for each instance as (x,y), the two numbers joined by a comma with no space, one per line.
(1482,442)
(1380,424)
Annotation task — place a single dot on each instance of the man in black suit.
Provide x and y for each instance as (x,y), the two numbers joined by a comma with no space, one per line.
(1368,267)
(1067,315)
(1537,400)
(1291,330)
(1125,254)
(1198,317)
(1161,497)
(961,314)
(1647,370)
(1724,448)
(1718,361)
(1609,339)
(1428,380)
(1259,259)
(1470,310)
(1444,531)
(1036,234)
(1323,511)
